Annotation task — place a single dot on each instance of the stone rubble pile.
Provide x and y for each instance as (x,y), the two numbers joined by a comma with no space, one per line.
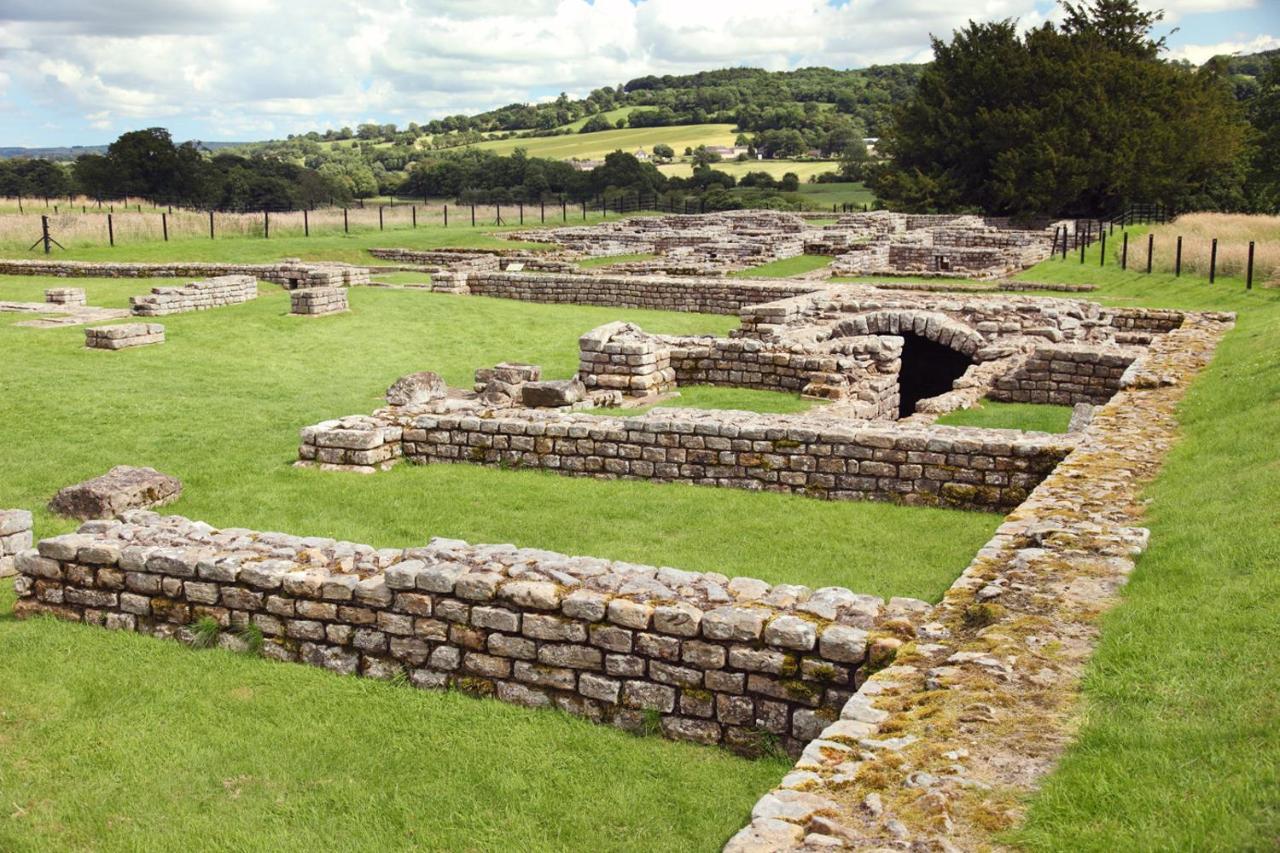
(315,301)
(123,336)
(711,659)
(196,296)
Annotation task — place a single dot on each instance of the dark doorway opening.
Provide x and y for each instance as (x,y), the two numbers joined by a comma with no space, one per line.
(928,369)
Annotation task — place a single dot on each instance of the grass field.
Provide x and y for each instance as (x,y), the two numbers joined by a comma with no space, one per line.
(610,260)
(825,195)
(777,168)
(1180,743)
(990,414)
(786,267)
(122,742)
(593,146)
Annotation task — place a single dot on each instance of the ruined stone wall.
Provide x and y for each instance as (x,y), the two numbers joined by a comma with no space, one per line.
(709,659)
(708,296)
(1065,375)
(824,458)
(196,296)
(322,273)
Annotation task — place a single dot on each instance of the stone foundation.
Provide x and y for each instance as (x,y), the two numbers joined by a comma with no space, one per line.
(1065,375)
(68,296)
(288,274)
(315,301)
(700,656)
(196,296)
(123,336)
(15,537)
(621,357)
(824,458)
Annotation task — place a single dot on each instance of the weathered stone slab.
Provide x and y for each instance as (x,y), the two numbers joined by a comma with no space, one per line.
(416,388)
(553,393)
(122,488)
(123,336)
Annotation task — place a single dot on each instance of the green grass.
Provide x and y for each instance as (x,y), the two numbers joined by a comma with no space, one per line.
(593,146)
(777,168)
(990,414)
(120,742)
(786,267)
(825,195)
(419,278)
(220,403)
(715,397)
(1180,743)
(610,260)
(611,116)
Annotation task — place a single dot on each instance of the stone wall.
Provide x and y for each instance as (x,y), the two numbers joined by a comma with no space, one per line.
(15,537)
(708,296)
(292,271)
(621,357)
(1065,375)
(824,458)
(196,296)
(700,656)
(314,301)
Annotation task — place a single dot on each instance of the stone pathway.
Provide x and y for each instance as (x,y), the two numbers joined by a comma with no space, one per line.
(939,750)
(53,315)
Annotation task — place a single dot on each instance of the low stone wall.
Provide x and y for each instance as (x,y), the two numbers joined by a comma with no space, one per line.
(359,443)
(123,336)
(1065,375)
(290,274)
(196,296)
(621,357)
(708,296)
(314,301)
(936,465)
(15,537)
(704,657)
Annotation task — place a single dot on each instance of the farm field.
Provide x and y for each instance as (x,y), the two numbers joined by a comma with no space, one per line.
(593,146)
(804,169)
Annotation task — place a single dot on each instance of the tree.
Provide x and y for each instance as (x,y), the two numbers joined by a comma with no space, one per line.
(1264,113)
(703,157)
(663,151)
(1077,120)
(854,160)
(595,124)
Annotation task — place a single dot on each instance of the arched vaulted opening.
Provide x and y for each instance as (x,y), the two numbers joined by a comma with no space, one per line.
(928,369)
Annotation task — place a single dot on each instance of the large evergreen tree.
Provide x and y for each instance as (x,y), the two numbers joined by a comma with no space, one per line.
(1078,119)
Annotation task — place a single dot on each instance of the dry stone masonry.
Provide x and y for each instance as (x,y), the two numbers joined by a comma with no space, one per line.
(290,273)
(68,296)
(315,301)
(15,537)
(122,488)
(712,659)
(123,336)
(196,296)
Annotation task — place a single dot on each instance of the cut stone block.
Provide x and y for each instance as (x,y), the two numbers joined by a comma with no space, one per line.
(316,301)
(66,296)
(553,393)
(416,388)
(123,336)
(122,488)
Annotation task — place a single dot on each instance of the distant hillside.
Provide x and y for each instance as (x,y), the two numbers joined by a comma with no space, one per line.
(68,153)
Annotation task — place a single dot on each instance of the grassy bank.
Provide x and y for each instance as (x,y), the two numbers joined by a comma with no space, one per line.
(1180,743)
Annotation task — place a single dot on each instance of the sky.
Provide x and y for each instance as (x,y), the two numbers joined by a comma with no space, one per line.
(82,73)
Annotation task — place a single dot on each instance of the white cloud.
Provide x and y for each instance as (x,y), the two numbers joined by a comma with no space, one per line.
(1199,53)
(253,68)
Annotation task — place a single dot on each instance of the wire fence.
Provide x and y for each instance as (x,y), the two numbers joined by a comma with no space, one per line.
(131,221)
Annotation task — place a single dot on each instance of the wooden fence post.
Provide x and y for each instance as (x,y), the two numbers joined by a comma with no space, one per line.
(346,223)
(210,224)
(1151,244)
(379,217)
(1213,260)
(473,216)
(1248,275)
(164,226)
(111,232)
(306,224)
(414,213)
(446,214)
(1102,255)
(1177,259)
(1124,252)
(266,225)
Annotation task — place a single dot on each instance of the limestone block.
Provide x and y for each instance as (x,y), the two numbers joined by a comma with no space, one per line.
(122,488)
(416,389)
(553,393)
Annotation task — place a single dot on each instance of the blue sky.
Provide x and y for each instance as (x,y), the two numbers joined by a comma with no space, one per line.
(82,73)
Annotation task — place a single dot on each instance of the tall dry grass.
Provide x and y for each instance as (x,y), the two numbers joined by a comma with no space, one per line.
(74,228)
(1198,230)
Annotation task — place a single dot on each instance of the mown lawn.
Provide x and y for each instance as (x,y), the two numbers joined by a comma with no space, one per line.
(1180,743)
(786,267)
(123,742)
(991,414)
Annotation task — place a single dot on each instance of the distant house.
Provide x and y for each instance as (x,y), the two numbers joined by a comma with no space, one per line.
(870,142)
(641,155)
(585,165)
(727,152)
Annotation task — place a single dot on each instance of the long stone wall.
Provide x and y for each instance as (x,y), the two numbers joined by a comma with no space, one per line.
(936,465)
(700,656)
(290,273)
(196,296)
(708,296)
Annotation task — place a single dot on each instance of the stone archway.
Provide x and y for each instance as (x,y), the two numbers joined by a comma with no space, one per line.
(937,350)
